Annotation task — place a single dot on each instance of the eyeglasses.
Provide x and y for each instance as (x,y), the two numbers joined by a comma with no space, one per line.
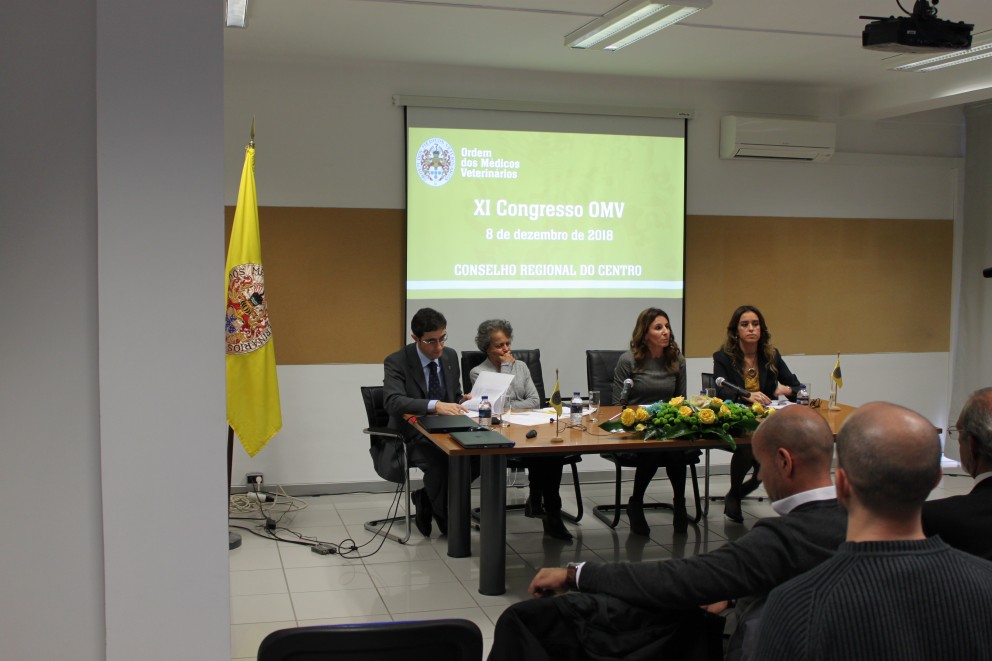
(434,342)
(505,345)
(954,432)
(814,403)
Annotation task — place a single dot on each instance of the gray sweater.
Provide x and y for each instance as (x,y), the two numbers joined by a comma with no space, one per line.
(652,380)
(902,600)
(522,391)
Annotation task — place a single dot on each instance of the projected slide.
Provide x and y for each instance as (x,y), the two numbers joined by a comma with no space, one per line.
(544,215)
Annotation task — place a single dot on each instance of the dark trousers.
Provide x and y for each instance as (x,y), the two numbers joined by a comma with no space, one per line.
(544,477)
(433,462)
(587,627)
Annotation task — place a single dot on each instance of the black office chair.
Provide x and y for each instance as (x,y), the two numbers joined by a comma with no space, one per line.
(600,366)
(433,640)
(379,433)
(531,358)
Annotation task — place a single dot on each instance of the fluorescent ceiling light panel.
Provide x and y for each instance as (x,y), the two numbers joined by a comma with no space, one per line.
(981,48)
(236,15)
(632,21)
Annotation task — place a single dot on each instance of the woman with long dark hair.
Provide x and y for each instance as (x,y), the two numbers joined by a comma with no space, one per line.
(656,366)
(749,360)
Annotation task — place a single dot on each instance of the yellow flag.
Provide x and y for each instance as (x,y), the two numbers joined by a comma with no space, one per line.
(556,396)
(253,409)
(835,375)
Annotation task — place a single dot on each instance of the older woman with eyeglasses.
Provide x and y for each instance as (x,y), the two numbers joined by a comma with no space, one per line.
(494,338)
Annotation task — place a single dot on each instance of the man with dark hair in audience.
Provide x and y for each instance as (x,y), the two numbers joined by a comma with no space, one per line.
(651,610)
(965,522)
(423,377)
(889,592)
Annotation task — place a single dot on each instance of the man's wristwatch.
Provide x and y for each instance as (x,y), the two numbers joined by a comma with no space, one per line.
(570,575)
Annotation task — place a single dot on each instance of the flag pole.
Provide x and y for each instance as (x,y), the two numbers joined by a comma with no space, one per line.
(557,406)
(233,538)
(832,406)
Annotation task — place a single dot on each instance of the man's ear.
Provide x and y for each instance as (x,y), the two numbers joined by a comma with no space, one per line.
(973,450)
(842,485)
(785,461)
(414,338)
(940,476)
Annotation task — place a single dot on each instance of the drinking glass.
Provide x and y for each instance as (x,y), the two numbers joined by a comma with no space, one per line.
(504,420)
(593,405)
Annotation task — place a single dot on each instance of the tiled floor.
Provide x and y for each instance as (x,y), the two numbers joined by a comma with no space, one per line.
(277,585)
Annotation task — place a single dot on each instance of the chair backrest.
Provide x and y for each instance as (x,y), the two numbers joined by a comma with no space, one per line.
(600,366)
(437,640)
(708,381)
(531,358)
(375,409)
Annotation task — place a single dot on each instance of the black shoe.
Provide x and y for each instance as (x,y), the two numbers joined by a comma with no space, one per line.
(555,527)
(635,515)
(732,508)
(681,521)
(442,524)
(533,508)
(423,516)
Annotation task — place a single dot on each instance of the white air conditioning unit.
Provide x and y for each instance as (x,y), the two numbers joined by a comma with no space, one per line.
(772,138)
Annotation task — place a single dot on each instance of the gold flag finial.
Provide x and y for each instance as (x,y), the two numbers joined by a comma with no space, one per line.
(251,141)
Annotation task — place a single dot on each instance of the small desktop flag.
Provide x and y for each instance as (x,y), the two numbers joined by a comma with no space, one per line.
(253,409)
(556,396)
(835,375)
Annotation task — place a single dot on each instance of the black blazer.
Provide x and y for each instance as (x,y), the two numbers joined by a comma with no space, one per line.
(964,522)
(723,365)
(404,389)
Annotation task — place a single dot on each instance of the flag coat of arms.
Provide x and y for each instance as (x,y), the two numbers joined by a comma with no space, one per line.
(253,409)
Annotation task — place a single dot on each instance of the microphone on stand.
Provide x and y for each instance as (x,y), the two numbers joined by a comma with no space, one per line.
(625,392)
(723,383)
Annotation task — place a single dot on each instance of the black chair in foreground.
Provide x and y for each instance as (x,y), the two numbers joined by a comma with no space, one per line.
(379,432)
(427,640)
(531,358)
(600,366)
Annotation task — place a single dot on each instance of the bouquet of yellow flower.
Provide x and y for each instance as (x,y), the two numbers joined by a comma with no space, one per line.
(696,417)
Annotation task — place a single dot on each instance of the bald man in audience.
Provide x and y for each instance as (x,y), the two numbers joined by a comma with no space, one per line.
(965,522)
(651,610)
(889,592)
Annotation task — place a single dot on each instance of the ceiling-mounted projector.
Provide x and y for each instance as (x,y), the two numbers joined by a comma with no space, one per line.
(920,32)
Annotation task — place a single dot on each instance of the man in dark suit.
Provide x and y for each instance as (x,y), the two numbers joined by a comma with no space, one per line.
(965,522)
(421,378)
(650,610)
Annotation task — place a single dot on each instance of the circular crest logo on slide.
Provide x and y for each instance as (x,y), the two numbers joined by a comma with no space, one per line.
(435,162)
(247,318)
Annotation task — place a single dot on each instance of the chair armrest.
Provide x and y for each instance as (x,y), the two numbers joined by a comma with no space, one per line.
(383,431)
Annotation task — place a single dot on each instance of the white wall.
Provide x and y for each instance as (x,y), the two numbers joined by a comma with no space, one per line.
(328,135)
(52,547)
(112,460)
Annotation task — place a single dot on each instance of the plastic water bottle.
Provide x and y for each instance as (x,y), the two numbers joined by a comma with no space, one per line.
(802,397)
(575,410)
(485,412)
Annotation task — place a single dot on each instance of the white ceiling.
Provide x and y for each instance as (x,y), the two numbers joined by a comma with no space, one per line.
(792,42)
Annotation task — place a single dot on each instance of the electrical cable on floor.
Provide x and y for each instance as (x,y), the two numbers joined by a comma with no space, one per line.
(268,527)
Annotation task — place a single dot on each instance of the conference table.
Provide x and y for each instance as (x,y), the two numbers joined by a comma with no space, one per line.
(568,440)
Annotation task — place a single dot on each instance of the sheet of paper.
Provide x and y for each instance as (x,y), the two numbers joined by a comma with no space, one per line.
(530,418)
(491,384)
